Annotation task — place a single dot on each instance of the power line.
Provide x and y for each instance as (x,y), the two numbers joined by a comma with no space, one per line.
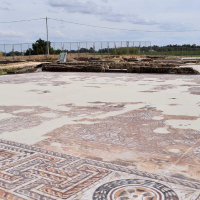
(26,20)
(120,28)
(104,27)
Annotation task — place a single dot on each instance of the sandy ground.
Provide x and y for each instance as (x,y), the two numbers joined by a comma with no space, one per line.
(196,67)
(149,123)
(19,65)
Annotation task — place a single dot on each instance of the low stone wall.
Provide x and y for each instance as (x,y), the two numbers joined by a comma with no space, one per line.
(122,65)
(73,68)
(19,68)
(163,70)
(119,67)
(130,65)
(88,59)
(10,61)
(127,65)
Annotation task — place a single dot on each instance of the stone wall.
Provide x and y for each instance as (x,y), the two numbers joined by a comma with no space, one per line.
(162,70)
(73,68)
(141,67)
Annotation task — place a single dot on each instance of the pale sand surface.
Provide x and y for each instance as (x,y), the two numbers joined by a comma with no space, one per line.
(5,116)
(196,67)
(17,65)
(161,131)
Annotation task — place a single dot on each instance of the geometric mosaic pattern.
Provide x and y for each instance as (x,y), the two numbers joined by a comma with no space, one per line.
(40,174)
(28,172)
(134,189)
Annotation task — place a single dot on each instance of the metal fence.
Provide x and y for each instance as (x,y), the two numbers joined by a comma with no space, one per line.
(76,49)
(97,48)
(175,51)
(16,51)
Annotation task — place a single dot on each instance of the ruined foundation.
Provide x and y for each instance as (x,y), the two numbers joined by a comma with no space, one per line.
(124,65)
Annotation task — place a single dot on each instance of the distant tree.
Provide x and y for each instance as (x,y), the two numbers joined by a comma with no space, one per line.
(57,51)
(39,48)
(91,50)
(83,50)
(16,53)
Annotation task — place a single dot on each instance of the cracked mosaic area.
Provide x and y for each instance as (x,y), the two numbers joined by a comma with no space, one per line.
(33,173)
(90,136)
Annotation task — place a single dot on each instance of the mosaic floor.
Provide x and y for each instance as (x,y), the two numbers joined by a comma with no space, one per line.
(30,172)
(93,136)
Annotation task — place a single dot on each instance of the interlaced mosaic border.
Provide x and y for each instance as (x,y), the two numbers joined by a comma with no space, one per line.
(31,172)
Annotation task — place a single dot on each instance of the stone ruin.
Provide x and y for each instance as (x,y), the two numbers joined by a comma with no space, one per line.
(147,64)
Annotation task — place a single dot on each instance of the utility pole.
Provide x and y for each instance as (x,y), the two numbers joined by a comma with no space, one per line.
(47,36)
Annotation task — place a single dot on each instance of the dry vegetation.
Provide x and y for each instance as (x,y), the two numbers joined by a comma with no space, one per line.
(55,57)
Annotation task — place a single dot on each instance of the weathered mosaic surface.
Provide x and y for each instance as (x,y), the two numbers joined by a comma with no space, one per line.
(134,189)
(33,173)
(115,127)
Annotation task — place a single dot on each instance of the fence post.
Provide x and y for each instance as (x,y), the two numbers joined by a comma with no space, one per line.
(127,44)
(54,50)
(108,48)
(13,52)
(139,48)
(21,52)
(121,48)
(29,51)
(78,45)
(101,49)
(115,48)
(61,46)
(182,51)
(70,47)
(94,48)
(5,51)
(86,49)
(37,48)
(151,49)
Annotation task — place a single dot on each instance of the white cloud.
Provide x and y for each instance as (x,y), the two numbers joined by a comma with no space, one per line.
(4,8)
(59,34)
(149,15)
(74,6)
(104,12)
(11,34)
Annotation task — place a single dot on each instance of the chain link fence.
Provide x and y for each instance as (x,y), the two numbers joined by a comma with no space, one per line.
(91,49)
(74,49)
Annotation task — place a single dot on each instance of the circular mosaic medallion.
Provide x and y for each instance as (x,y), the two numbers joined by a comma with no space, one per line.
(134,189)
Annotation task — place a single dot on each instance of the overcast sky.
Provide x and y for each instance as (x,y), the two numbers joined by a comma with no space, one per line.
(152,15)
